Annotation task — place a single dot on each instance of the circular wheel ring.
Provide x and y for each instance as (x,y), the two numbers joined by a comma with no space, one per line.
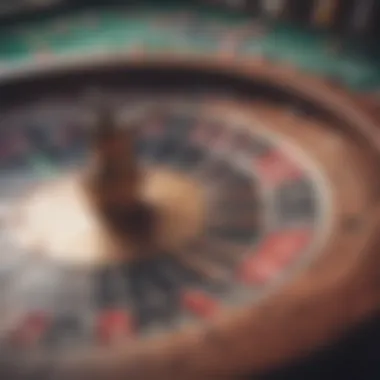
(333,295)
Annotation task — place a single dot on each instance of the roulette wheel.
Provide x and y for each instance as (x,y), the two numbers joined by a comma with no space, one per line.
(177,200)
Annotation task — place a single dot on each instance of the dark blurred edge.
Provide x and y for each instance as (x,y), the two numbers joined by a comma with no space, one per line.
(355,357)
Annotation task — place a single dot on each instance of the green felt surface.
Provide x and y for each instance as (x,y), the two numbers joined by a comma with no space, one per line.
(174,29)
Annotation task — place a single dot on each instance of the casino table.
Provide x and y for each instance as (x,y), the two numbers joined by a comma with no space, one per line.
(185,193)
(191,29)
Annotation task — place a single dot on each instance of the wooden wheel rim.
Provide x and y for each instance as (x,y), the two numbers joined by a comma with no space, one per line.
(342,283)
